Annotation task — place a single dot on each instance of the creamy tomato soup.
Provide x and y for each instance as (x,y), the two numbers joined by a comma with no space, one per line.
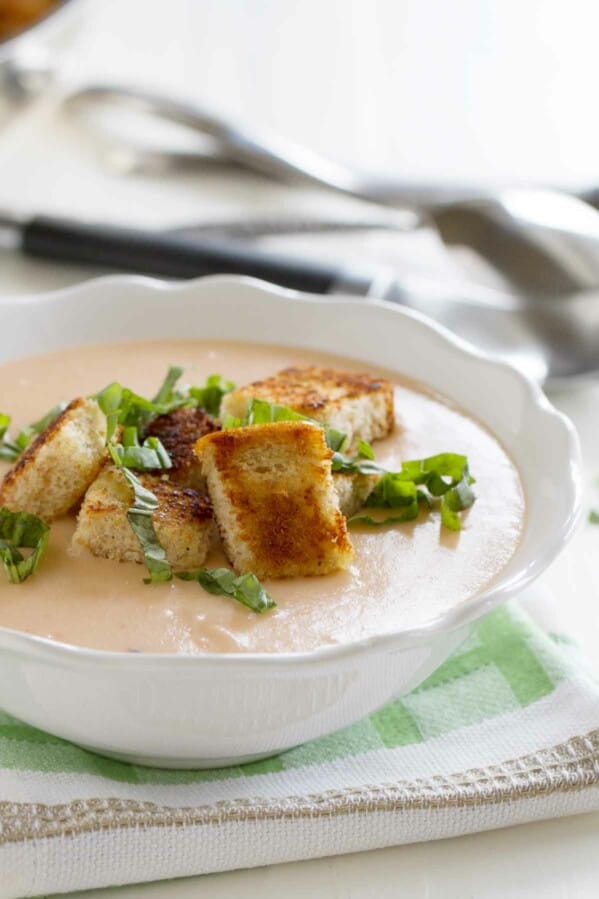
(402,575)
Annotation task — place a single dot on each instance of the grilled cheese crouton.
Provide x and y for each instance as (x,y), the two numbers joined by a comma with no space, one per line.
(183,521)
(52,474)
(357,405)
(353,490)
(179,431)
(274,502)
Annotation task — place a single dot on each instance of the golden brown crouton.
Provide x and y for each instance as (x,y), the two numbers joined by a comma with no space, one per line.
(179,431)
(272,492)
(183,520)
(52,474)
(357,405)
(353,490)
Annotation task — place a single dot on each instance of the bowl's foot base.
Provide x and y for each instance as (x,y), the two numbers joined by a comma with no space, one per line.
(192,763)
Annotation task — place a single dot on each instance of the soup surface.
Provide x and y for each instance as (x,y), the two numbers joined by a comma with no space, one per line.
(402,575)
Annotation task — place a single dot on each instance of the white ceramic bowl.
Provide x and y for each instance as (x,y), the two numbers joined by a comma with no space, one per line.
(219,709)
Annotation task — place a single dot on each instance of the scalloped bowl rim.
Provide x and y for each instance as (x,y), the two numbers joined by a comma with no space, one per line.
(447,621)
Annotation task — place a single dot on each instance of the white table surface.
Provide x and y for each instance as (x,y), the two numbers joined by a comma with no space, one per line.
(491,89)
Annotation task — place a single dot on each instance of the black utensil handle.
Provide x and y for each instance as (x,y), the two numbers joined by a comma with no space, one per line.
(154,253)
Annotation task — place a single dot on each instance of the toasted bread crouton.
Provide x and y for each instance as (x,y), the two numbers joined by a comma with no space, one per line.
(183,521)
(179,431)
(357,405)
(272,492)
(52,474)
(353,490)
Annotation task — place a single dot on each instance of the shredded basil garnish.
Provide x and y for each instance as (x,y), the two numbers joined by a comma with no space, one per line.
(261,412)
(594,516)
(210,396)
(362,463)
(8,450)
(109,400)
(21,530)
(167,392)
(245,588)
(4,424)
(142,457)
(139,516)
(444,477)
(123,406)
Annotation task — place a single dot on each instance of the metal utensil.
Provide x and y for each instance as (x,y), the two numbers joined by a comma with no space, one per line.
(543,242)
(556,340)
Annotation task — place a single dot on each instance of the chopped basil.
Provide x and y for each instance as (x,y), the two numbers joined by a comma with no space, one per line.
(4,424)
(230,421)
(362,463)
(365,451)
(123,406)
(262,412)
(109,400)
(245,588)
(444,476)
(594,516)
(167,392)
(456,499)
(21,530)
(10,450)
(142,457)
(139,516)
(209,397)
(409,514)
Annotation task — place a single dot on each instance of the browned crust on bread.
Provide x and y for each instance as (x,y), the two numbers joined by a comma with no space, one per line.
(178,504)
(179,431)
(358,404)
(274,500)
(51,476)
(183,520)
(28,456)
(310,388)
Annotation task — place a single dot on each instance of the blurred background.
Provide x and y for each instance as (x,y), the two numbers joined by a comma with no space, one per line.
(489,92)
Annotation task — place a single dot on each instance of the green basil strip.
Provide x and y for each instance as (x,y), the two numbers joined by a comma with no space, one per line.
(20,530)
(147,457)
(110,400)
(4,424)
(409,514)
(230,421)
(210,396)
(457,499)
(125,407)
(445,477)
(449,465)
(340,463)
(594,516)
(167,394)
(245,588)
(391,491)
(262,412)
(139,516)
(9,451)
(365,451)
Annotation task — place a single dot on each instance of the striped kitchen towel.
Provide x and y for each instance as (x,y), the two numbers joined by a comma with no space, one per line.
(506,731)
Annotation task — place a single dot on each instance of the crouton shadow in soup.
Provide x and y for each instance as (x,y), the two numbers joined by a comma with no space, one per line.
(187,496)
